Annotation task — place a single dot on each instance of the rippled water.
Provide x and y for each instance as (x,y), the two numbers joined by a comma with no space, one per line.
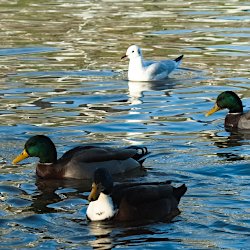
(61,75)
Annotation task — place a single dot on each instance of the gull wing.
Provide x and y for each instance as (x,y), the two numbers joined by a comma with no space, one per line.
(160,70)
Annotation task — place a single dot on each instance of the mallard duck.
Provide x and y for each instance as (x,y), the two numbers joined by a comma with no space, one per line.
(235,118)
(80,162)
(140,70)
(132,201)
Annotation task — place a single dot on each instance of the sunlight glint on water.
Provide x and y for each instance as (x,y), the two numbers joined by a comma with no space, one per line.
(61,75)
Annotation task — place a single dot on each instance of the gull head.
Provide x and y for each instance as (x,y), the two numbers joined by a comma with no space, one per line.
(133,52)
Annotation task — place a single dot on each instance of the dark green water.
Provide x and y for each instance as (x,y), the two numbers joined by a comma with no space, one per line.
(61,75)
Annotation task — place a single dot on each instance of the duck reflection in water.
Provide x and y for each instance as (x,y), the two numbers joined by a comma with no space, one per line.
(102,232)
(52,191)
(109,236)
(234,140)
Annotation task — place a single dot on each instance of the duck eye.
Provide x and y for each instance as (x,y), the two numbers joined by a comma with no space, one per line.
(133,51)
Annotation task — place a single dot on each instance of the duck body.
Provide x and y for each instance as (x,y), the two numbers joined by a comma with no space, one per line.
(137,201)
(80,162)
(79,168)
(236,118)
(237,121)
(140,70)
(146,202)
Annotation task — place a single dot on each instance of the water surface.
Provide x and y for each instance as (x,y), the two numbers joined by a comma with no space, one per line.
(61,75)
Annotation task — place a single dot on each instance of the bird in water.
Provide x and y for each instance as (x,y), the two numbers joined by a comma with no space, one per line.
(132,201)
(82,161)
(141,70)
(236,118)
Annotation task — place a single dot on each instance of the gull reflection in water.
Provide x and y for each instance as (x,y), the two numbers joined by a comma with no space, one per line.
(138,89)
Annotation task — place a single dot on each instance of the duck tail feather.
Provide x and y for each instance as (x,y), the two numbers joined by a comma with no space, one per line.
(180,191)
(140,156)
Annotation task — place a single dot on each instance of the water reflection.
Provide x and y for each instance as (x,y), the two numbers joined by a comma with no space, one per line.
(230,156)
(230,145)
(52,191)
(137,90)
(59,64)
(109,236)
(233,140)
(102,233)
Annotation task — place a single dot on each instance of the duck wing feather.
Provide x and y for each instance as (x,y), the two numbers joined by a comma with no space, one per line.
(90,154)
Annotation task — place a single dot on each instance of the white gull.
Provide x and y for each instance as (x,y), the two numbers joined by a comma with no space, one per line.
(140,70)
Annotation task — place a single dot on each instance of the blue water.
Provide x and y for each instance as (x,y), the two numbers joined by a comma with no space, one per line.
(61,75)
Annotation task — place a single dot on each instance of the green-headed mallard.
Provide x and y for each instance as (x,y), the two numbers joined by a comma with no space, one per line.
(132,201)
(80,162)
(235,118)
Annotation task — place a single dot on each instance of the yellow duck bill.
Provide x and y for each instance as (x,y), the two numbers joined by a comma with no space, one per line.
(213,110)
(21,157)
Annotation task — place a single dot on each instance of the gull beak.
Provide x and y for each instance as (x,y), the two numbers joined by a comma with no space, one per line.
(94,193)
(125,56)
(213,110)
(21,157)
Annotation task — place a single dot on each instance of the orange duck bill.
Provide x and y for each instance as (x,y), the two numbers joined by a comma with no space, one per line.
(21,157)
(213,110)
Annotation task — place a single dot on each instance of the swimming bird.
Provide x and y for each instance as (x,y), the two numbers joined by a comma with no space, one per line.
(82,161)
(140,70)
(132,201)
(235,118)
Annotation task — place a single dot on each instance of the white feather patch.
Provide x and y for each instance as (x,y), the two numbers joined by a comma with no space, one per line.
(101,209)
